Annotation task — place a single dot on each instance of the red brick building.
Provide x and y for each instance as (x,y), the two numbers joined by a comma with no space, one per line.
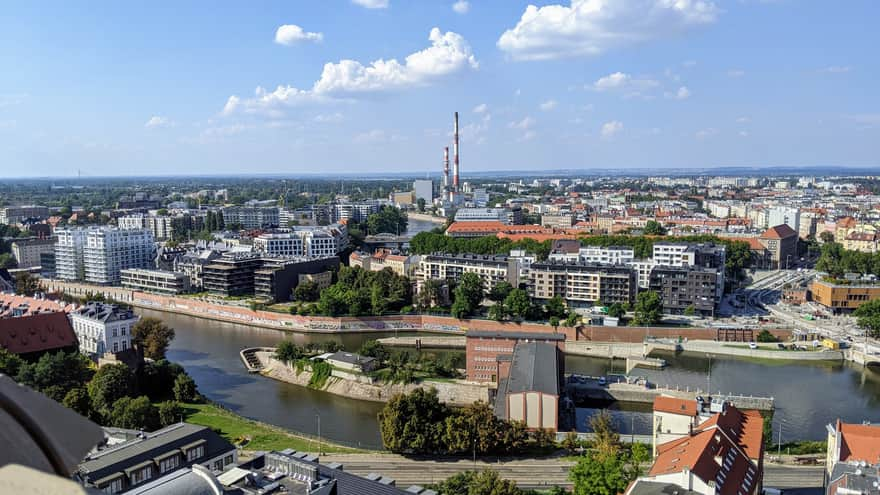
(489,353)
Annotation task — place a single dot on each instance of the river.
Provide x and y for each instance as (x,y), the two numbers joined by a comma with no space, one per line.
(808,396)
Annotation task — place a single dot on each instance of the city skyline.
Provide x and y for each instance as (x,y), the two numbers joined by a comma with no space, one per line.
(371,85)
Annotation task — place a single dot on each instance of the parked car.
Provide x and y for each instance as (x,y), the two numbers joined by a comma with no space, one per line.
(753,345)
(781,346)
(602,380)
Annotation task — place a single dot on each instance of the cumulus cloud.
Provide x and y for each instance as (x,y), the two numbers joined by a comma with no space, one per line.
(682,93)
(624,83)
(291,34)
(461,7)
(592,27)
(610,129)
(705,133)
(548,105)
(481,108)
(157,121)
(523,124)
(448,54)
(372,4)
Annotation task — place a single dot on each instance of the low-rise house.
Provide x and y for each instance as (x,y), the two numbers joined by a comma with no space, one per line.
(32,335)
(103,328)
(673,418)
(852,463)
(351,361)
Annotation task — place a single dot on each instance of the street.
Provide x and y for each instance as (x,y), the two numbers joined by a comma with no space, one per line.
(527,473)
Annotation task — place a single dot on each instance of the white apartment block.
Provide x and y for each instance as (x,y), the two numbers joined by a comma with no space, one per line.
(309,242)
(615,255)
(102,328)
(670,254)
(482,215)
(97,254)
(779,215)
(15,214)
(643,271)
(491,269)
(251,217)
(161,227)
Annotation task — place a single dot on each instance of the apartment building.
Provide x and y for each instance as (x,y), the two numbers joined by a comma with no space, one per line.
(682,287)
(310,242)
(491,269)
(276,279)
(403,265)
(482,215)
(162,227)
(16,214)
(852,462)
(102,328)
(232,274)
(704,255)
(251,217)
(582,284)
(614,255)
(155,281)
(558,221)
(97,254)
(27,252)
(358,212)
(782,243)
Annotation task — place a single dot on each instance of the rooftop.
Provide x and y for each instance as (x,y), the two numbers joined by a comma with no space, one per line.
(534,369)
(674,405)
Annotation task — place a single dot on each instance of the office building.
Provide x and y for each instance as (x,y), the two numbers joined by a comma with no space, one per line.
(11,215)
(27,252)
(155,281)
(482,215)
(450,267)
(779,215)
(582,284)
(231,274)
(424,189)
(310,242)
(558,221)
(845,296)
(135,462)
(102,328)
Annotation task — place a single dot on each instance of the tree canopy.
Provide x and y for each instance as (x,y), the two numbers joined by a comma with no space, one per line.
(151,336)
(360,292)
(648,309)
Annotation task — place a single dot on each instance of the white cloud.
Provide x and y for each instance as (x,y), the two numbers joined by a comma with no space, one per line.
(592,27)
(157,121)
(743,134)
(8,100)
(291,34)
(330,118)
(625,83)
(548,105)
(528,135)
(525,123)
(448,54)
(836,69)
(682,93)
(743,120)
(372,4)
(705,133)
(736,73)
(610,129)
(461,7)
(481,108)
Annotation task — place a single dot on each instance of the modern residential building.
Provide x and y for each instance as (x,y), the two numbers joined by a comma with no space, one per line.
(707,256)
(125,466)
(276,278)
(102,328)
(47,264)
(251,217)
(311,242)
(160,226)
(27,252)
(483,215)
(782,243)
(231,274)
(852,462)
(558,221)
(684,287)
(357,212)
(582,284)
(779,215)
(11,215)
(450,267)
(614,255)
(97,254)
(155,281)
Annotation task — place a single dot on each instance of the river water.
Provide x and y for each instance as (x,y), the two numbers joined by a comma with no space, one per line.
(808,396)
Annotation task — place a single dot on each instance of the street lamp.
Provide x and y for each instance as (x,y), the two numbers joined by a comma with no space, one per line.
(709,377)
(318,416)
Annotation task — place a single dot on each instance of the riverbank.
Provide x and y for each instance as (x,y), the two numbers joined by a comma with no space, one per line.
(254,435)
(425,217)
(452,392)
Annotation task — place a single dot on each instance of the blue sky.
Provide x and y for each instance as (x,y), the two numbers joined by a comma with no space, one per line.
(117,88)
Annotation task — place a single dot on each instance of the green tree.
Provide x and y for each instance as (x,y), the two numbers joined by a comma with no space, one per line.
(571,443)
(606,440)
(497,312)
(429,294)
(556,307)
(307,290)
(595,474)
(420,204)
(374,349)
(7,261)
(826,237)
(554,322)
(111,383)
(766,336)
(134,414)
(653,227)
(287,351)
(518,303)
(155,379)
(485,482)
(648,309)
(413,422)
(10,363)
(56,374)
(690,310)
(868,317)
(500,291)
(572,319)
(170,412)
(473,428)
(185,389)
(388,219)
(616,310)
(470,288)
(151,337)
(78,400)
(27,284)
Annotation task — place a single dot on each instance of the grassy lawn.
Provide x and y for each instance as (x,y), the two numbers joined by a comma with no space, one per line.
(262,437)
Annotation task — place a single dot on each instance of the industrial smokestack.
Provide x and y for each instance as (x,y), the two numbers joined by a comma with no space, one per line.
(455,154)
(446,169)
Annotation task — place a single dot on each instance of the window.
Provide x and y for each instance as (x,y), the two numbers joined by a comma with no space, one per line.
(141,475)
(227,460)
(116,347)
(114,332)
(218,465)
(168,464)
(115,486)
(194,453)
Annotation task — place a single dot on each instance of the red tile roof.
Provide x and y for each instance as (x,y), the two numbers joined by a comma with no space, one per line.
(859,442)
(779,232)
(36,333)
(488,226)
(674,405)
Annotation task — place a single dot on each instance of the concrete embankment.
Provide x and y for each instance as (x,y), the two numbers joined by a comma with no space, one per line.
(630,392)
(764,352)
(426,218)
(355,386)
(429,341)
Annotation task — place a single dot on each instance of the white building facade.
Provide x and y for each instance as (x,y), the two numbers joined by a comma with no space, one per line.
(102,328)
